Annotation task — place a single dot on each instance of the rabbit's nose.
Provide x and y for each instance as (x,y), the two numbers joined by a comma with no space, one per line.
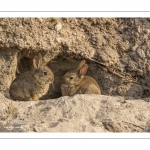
(63,81)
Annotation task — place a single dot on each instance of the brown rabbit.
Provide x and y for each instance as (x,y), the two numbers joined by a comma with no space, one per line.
(74,82)
(32,85)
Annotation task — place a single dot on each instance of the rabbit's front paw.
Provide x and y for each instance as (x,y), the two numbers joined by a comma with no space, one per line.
(34,97)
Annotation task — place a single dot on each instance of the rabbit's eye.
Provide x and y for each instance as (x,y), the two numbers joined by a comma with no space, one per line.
(71,78)
(45,73)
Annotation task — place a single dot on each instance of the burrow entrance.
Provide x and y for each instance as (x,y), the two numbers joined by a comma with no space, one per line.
(109,83)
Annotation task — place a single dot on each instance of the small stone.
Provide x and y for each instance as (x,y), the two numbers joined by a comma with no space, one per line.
(59,40)
(74,33)
(40,19)
(141,53)
(82,30)
(134,47)
(139,29)
(58,26)
(38,128)
(76,22)
(137,35)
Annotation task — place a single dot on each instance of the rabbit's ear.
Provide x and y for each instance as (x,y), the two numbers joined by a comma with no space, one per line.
(83,69)
(36,62)
(81,64)
(40,58)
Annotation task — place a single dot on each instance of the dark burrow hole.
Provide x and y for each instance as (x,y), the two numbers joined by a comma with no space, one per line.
(25,64)
(108,83)
(59,67)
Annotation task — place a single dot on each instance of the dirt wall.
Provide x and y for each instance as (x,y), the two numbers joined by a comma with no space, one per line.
(116,50)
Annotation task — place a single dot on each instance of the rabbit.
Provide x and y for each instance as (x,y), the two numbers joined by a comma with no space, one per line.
(32,85)
(74,82)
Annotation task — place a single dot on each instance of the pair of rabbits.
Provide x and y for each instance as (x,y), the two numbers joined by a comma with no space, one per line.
(32,85)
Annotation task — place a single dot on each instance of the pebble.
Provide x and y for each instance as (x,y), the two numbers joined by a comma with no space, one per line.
(134,47)
(58,26)
(139,29)
(40,19)
(38,128)
(137,35)
(59,40)
(141,53)
(74,33)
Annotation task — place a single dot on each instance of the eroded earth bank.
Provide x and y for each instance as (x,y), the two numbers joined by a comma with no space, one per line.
(117,51)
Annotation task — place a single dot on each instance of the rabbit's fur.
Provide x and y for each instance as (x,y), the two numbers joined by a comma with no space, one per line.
(74,82)
(32,85)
